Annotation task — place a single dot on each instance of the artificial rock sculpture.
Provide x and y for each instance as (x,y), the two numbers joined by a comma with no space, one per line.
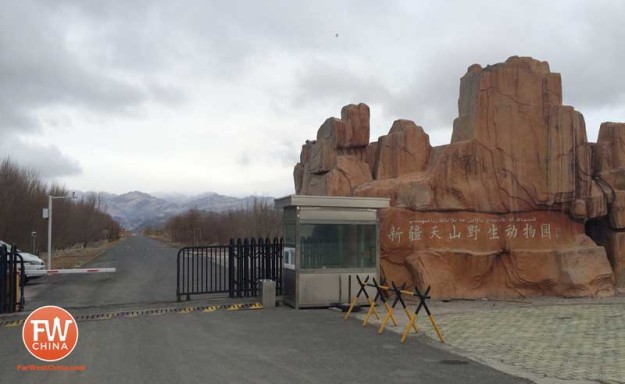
(518,204)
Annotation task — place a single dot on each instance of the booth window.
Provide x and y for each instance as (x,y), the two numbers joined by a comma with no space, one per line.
(289,246)
(338,246)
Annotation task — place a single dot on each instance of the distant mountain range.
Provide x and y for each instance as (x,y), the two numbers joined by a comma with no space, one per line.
(137,210)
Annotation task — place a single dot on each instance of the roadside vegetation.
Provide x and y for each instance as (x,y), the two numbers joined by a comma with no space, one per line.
(197,227)
(76,223)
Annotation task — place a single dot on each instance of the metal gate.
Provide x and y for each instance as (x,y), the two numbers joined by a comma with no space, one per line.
(235,269)
(12,278)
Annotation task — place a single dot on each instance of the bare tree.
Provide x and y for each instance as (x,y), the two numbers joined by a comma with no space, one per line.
(22,197)
(259,219)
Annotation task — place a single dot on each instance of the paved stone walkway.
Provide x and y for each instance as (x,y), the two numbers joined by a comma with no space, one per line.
(574,340)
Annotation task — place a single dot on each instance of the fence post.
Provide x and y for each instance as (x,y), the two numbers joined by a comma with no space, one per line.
(252,271)
(11,279)
(22,280)
(231,268)
(266,260)
(279,252)
(240,256)
(11,284)
(178,276)
(3,277)
(246,266)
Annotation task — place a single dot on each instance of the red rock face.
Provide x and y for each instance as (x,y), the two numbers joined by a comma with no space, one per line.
(609,170)
(404,150)
(467,254)
(338,161)
(517,157)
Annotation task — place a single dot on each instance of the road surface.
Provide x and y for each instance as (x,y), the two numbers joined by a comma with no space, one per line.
(146,273)
(278,345)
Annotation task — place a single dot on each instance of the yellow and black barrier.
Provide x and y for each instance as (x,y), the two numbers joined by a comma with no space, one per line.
(422,304)
(398,298)
(363,291)
(383,292)
(382,295)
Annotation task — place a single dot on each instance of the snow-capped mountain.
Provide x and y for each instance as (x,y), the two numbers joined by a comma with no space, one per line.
(136,210)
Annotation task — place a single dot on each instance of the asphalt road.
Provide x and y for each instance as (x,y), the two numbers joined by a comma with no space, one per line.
(146,273)
(253,346)
(277,345)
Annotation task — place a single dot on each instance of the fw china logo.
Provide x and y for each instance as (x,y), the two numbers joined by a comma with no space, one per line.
(50,333)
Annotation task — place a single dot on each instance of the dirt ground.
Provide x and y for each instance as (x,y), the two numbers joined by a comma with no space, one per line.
(78,256)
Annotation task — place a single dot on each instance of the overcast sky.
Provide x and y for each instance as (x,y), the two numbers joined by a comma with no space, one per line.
(197,96)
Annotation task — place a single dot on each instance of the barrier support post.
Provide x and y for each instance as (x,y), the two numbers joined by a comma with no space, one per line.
(361,291)
(422,304)
(398,299)
(389,310)
(372,305)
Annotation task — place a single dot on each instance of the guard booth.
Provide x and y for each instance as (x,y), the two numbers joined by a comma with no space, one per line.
(327,239)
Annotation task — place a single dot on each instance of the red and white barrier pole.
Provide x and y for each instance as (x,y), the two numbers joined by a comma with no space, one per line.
(80,270)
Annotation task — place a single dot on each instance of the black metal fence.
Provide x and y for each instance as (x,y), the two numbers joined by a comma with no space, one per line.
(255,260)
(235,269)
(202,270)
(12,278)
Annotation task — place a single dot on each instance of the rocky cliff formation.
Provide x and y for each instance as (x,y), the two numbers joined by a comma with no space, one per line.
(518,204)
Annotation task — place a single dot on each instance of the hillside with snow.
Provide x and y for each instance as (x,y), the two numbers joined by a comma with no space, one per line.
(136,210)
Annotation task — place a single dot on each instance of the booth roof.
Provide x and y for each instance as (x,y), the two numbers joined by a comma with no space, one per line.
(332,201)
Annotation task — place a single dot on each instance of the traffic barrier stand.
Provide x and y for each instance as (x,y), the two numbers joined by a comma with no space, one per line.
(398,299)
(413,318)
(363,291)
(382,295)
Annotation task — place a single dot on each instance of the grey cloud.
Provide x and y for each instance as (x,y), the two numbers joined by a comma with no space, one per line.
(428,99)
(15,118)
(243,160)
(51,57)
(224,38)
(286,153)
(439,40)
(416,71)
(593,69)
(110,58)
(322,82)
(39,67)
(166,93)
(47,160)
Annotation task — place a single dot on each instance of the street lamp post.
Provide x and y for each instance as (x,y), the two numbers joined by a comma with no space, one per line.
(50,197)
(195,237)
